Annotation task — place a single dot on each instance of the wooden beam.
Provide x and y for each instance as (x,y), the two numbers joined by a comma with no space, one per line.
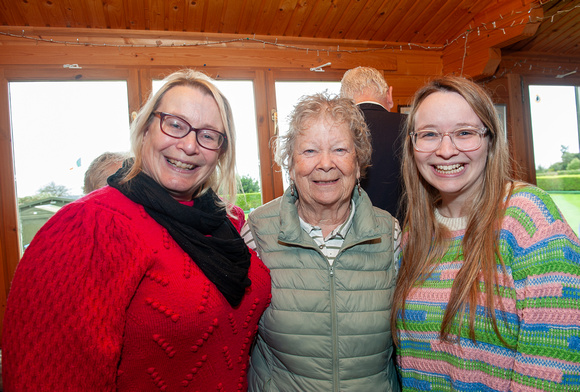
(9,254)
(477,52)
(520,130)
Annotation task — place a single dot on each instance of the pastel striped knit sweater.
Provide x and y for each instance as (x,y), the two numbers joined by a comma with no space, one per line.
(541,300)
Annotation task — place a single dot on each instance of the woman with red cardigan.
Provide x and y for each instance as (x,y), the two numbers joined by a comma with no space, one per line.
(145,284)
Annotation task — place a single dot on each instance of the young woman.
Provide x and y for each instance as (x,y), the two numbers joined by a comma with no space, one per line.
(487,294)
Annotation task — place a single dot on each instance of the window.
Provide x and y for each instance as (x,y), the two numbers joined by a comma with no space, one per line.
(58,128)
(556,146)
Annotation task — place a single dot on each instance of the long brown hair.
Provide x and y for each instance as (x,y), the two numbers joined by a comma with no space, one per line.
(426,240)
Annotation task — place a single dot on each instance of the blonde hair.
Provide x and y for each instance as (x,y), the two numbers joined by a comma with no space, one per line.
(341,110)
(101,168)
(361,80)
(223,180)
(427,240)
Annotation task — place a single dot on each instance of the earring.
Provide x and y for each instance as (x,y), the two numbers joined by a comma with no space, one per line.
(358,186)
(292,187)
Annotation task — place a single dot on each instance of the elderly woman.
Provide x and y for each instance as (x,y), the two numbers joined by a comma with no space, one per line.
(146,284)
(331,256)
(487,295)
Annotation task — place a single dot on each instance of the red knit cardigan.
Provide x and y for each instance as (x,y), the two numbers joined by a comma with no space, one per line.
(105,300)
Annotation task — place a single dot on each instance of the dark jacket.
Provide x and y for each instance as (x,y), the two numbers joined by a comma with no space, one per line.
(382,181)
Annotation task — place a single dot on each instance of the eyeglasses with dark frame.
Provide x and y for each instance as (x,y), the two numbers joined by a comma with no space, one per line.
(178,128)
(464,139)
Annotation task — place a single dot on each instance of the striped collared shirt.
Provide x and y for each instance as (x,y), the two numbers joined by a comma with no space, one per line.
(330,245)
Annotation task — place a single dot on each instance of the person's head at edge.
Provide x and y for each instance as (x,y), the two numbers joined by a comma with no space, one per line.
(183,167)
(366,84)
(426,238)
(326,150)
(100,168)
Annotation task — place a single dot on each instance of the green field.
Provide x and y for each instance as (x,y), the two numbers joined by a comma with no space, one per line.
(569,205)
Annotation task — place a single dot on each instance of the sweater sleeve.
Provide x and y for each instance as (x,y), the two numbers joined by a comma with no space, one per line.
(66,310)
(545,265)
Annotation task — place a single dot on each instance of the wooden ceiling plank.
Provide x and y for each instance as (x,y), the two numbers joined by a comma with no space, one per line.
(315,19)
(282,17)
(363,19)
(114,12)
(438,12)
(74,13)
(174,15)
(378,20)
(13,14)
(266,18)
(135,11)
(213,16)
(232,11)
(250,15)
(94,10)
(298,19)
(53,15)
(156,15)
(457,22)
(391,23)
(194,12)
(355,7)
(556,33)
(332,18)
(416,15)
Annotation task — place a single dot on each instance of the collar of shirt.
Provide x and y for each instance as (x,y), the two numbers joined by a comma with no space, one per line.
(374,103)
(339,232)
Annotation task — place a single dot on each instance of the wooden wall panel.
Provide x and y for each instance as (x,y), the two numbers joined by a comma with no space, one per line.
(9,247)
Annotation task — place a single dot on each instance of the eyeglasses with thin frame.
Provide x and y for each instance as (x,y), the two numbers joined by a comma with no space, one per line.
(178,128)
(464,139)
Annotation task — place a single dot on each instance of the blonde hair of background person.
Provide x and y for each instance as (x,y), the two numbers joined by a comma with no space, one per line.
(101,168)
(366,84)
(223,181)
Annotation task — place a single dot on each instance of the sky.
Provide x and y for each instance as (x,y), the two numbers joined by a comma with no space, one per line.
(60,127)
(554,122)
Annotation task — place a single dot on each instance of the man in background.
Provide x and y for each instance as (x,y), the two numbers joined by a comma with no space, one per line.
(369,90)
(101,168)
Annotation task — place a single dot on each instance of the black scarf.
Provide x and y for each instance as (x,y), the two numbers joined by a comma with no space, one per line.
(203,231)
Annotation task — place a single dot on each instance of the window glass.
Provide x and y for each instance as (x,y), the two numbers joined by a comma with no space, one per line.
(556,147)
(58,128)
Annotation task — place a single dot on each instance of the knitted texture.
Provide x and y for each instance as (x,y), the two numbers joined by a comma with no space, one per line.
(540,318)
(105,300)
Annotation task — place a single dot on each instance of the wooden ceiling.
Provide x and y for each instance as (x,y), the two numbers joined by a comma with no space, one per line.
(421,22)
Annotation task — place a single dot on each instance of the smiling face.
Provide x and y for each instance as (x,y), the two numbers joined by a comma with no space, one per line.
(325,167)
(181,166)
(456,175)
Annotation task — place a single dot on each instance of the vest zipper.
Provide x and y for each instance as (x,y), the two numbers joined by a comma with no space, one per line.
(335,376)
